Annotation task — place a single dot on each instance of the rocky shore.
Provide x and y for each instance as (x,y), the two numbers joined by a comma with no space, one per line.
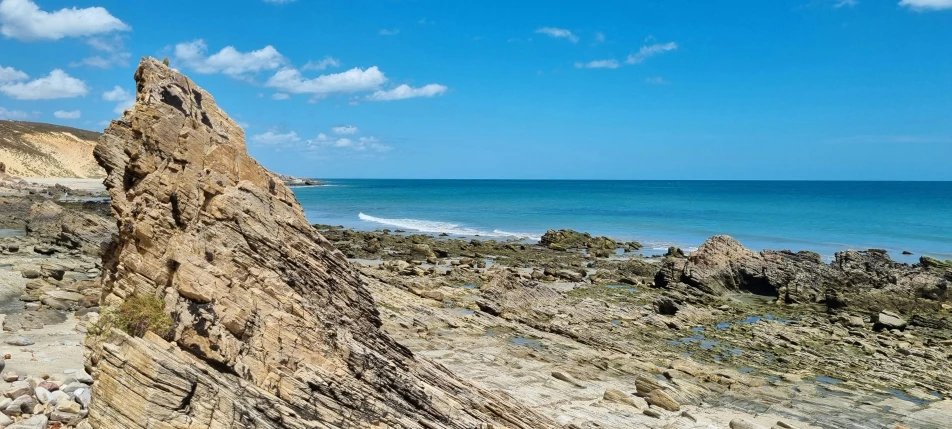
(199,296)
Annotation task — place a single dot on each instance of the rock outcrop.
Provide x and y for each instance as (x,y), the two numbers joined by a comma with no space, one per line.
(507,295)
(722,265)
(75,229)
(273,328)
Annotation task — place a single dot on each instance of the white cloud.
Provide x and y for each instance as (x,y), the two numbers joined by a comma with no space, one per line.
(925,5)
(405,91)
(353,80)
(274,138)
(57,85)
(13,114)
(842,3)
(63,114)
(346,129)
(560,33)
(656,80)
(10,74)
(387,32)
(280,96)
(100,62)
(322,64)
(229,60)
(649,51)
(124,99)
(23,19)
(598,64)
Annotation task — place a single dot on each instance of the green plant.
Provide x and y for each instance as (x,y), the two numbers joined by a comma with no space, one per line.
(136,316)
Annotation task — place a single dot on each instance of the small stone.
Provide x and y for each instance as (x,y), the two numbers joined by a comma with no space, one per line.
(20,405)
(19,341)
(5,421)
(783,425)
(744,424)
(889,320)
(45,376)
(59,396)
(615,395)
(35,422)
(83,377)
(69,407)
(83,396)
(18,389)
(566,378)
(10,377)
(42,395)
(653,413)
(49,385)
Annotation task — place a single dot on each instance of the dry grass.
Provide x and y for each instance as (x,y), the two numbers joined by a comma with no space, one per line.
(136,316)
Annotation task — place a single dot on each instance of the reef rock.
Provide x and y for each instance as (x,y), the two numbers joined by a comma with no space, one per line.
(272,327)
(507,295)
(868,279)
(76,229)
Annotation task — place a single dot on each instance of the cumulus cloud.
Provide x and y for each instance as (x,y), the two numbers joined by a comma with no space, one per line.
(346,129)
(598,64)
(649,51)
(23,20)
(406,91)
(353,80)
(280,96)
(559,33)
(56,85)
(322,64)
(229,60)
(10,74)
(275,138)
(124,99)
(64,114)
(13,114)
(926,5)
(388,32)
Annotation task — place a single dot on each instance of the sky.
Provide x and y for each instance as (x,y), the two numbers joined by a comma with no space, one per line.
(534,89)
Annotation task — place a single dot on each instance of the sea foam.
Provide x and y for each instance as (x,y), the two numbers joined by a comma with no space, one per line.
(437,227)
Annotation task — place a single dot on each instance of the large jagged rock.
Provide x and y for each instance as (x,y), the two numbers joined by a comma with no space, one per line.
(272,327)
(722,265)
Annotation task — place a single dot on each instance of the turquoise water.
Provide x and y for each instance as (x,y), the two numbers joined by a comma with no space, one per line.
(824,217)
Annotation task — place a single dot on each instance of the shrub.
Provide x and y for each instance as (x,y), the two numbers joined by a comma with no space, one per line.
(136,316)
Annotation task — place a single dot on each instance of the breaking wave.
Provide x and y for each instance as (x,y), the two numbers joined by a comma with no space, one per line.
(436,227)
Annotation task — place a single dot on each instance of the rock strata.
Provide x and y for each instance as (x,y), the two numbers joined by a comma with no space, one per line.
(867,280)
(272,327)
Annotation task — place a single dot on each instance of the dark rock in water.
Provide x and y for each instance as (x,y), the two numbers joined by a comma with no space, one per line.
(674,252)
(565,239)
(666,306)
(277,329)
(906,252)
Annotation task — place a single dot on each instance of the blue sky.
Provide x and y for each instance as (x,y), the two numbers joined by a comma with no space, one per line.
(810,89)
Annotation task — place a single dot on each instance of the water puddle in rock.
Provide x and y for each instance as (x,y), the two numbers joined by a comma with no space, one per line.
(722,326)
(827,380)
(627,288)
(528,342)
(616,322)
(468,286)
(746,370)
(709,344)
(4,232)
(830,392)
(899,394)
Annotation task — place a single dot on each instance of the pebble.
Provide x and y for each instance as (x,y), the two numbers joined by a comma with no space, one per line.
(10,377)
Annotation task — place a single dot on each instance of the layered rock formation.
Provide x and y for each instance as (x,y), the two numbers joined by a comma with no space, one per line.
(866,278)
(272,327)
(75,229)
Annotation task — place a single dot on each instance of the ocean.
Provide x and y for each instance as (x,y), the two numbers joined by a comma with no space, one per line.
(823,217)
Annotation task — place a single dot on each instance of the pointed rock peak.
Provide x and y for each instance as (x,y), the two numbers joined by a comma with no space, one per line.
(271,326)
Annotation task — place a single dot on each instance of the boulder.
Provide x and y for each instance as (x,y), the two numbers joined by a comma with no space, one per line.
(660,398)
(889,320)
(274,328)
